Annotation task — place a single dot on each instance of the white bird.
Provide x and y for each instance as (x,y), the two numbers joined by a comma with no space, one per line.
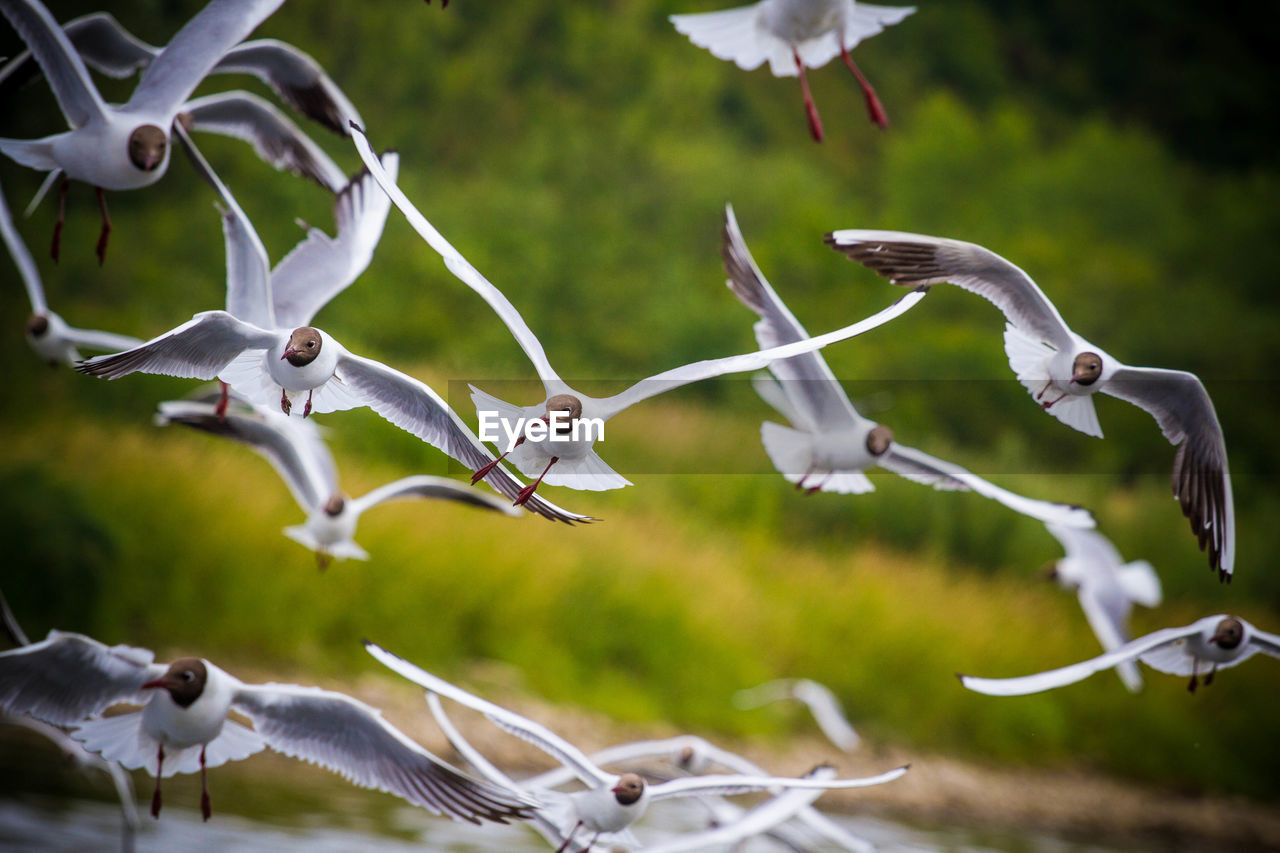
(128,147)
(250,347)
(829,443)
(827,711)
(1107,587)
(301,458)
(567,422)
(610,803)
(46,332)
(1212,643)
(69,679)
(296,78)
(793,35)
(1063,370)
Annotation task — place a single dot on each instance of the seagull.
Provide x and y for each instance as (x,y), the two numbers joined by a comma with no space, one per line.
(694,755)
(611,802)
(730,823)
(69,679)
(827,711)
(1107,588)
(298,453)
(295,77)
(1062,370)
(829,444)
(47,333)
(128,147)
(247,348)
(1213,642)
(570,421)
(793,35)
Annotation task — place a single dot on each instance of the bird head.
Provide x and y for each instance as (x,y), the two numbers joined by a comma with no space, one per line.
(630,788)
(184,679)
(879,439)
(303,347)
(566,404)
(335,505)
(1086,369)
(1228,634)
(147,145)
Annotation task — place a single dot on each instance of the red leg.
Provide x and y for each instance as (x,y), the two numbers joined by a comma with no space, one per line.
(803,477)
(55,248)
(812,489)
(485,469)
(106,226)
(1044,390)
(810,109)
(285,405)
(875,110)
(527,491)
(1191,688)
(1054,400)
(221,409)
(206,807)
(568,838)
(306,410)
(1208,679)
(155,798)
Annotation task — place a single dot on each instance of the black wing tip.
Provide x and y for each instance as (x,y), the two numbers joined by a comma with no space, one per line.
(355,126)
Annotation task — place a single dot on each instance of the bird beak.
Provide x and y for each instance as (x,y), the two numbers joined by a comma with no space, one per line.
(154,683)
(288,351)
(617,789)
(1217,638)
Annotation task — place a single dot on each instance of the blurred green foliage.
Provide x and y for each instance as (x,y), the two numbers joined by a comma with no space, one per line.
(580,156)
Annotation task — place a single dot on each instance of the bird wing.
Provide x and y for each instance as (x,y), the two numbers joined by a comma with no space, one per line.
(425,486)
(1046,511)
(827,712)
(296,77)
(352,739)
(273,135)
(248,267)
(22,259)
(197,349)
(1075,672)
(77,97)
(509,721)
(321,267)
(292,446)
(94,339)
(729,785)
(1266,643)
(192,53)
(806,379)
(1106,609)
(1088,546)
(710,368)
(415,408)
(912,260)
(461,267)
(67,677)
(102,43)
(1181,405)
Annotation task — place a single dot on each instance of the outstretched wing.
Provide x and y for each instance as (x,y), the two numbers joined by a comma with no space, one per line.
(912,260)
(197,349)
(65,677)
(1201,481)
(426,486)
(352,739)
(729,785)
(76,95)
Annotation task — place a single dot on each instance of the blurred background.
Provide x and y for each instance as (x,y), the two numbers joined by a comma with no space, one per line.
(580,155)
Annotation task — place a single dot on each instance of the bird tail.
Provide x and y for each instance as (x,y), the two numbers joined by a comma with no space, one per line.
(1141,583)
(731,34)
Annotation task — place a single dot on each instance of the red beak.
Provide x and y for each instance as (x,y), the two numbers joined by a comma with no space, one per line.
(155,682)
(288,351)
(617,789)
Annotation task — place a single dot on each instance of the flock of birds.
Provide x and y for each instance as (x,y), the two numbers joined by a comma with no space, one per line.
(274,370)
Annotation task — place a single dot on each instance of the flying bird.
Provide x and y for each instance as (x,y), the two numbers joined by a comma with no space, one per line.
(183,727)
(571,422)
(1211,643)
(46,332)
(1107,588)
(128,147)
(1063,371)
(611,802)
(296,78)
(302,459)
(829,445)
(793,35)
(825,706)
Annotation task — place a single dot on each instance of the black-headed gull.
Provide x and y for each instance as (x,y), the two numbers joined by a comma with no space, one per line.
(46,332)
(263,347)
(69,679)
(296,78)
(127,147)
(793,35)
(1107,588)
(1063,371)
(826,708)
(567,422)
(1198,650)
(829,444)
(301,458)
(611,802)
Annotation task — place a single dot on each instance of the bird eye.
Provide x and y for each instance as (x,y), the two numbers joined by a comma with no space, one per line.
(186,675)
